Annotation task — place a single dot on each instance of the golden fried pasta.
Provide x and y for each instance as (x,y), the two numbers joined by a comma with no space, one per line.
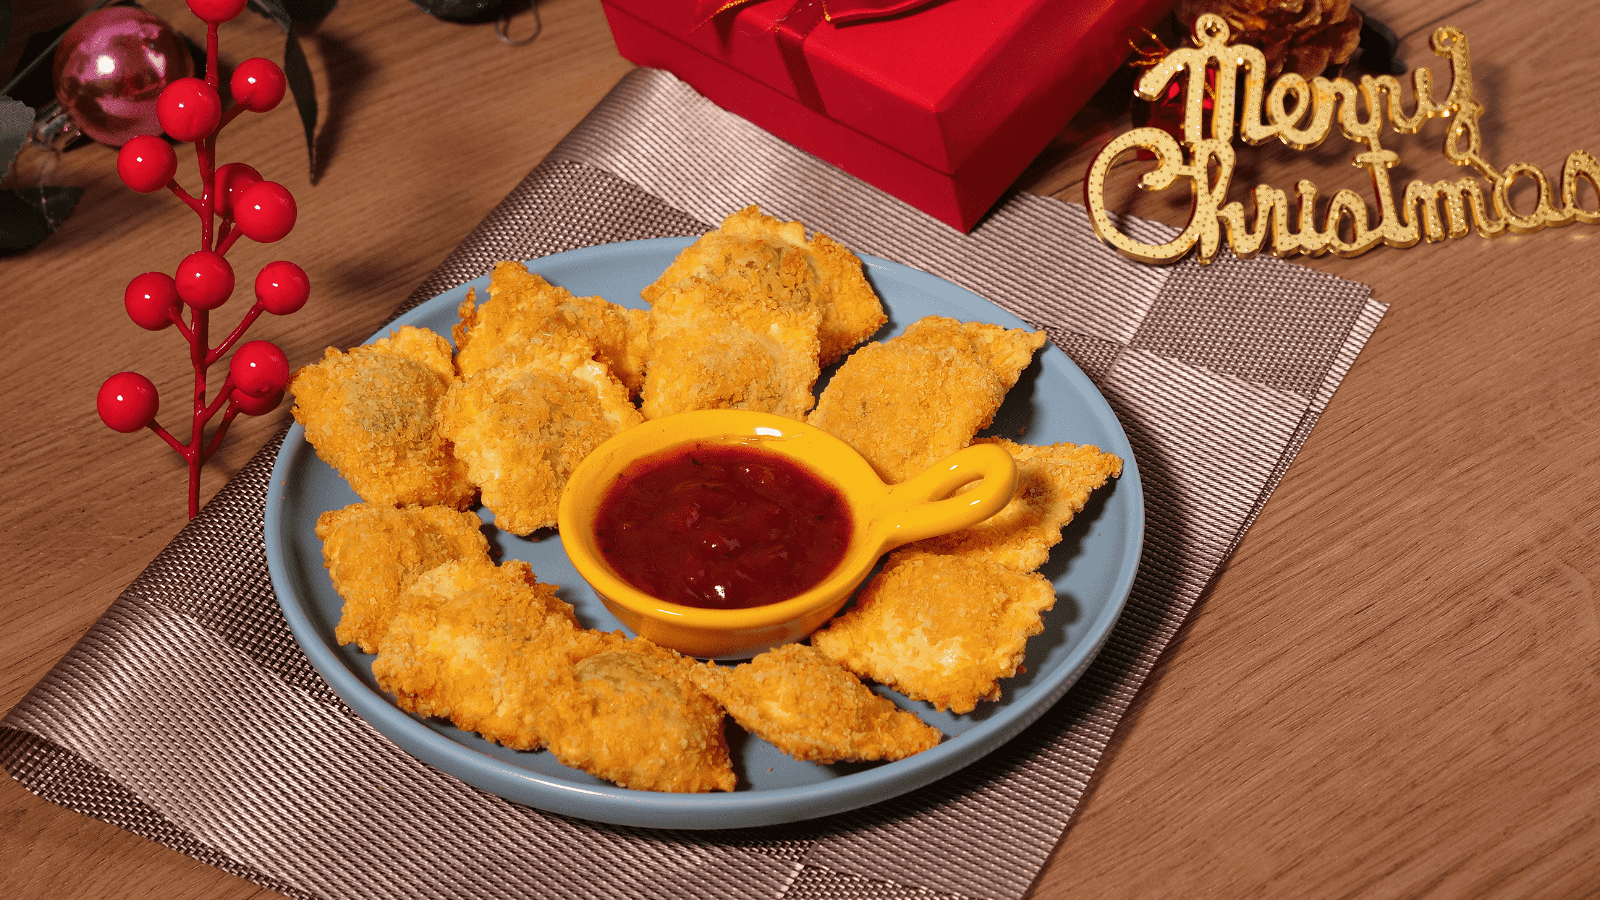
(521,427)
(1006,351)
(523,310)
(371,414)
(373,553)
(912,400)
(944,629)
(714,346)
(757,253)
(1053,484)
(634,717)
(474,642)
(809,707)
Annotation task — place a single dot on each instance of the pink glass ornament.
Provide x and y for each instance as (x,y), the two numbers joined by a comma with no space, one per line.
(110,68)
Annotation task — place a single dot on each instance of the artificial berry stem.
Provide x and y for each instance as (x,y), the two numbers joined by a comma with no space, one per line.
(222,429)
(184,195)
(227,344)
(230,114)
(228,237)
(189,110)
(223,396)
(167,436)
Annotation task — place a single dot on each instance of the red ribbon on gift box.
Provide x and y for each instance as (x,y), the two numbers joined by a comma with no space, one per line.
(794,26)
(835,11)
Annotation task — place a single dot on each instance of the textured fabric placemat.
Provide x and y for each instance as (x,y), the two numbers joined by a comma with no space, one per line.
(188,714)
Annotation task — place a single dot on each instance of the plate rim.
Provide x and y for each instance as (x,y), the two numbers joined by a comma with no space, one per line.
(739,809)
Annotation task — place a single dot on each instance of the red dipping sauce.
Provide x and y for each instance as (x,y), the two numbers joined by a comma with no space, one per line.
(722,526)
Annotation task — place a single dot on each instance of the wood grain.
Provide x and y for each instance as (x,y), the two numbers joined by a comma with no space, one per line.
(1390,692)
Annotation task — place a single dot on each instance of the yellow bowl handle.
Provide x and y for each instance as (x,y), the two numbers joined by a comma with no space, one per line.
(925,505)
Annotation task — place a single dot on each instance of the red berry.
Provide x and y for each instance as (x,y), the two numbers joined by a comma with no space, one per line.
(189,109)
(282,288)
(257,406)
(146,163)
(257,84)
(231,181)
(127,402)
(265,212)
(205,279)
(151,300)
(216,12)
(258,368)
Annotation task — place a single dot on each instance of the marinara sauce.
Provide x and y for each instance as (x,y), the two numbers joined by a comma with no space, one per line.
(722,526)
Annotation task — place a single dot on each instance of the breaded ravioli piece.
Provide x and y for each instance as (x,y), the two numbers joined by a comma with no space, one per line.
(522,428)
(1006,351)
(473,642)
(523,308)
(716,346)
(749,246)
(1053,483)
(373,553)
(372,414)
(809,707)
(905,407)
(634,717)
(912,400)
(944,629)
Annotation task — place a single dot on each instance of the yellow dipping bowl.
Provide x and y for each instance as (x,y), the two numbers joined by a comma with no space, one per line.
(883,517)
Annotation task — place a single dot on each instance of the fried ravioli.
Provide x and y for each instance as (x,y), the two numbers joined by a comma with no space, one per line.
(905,407)
(912,400)
(1006,351)
(372,414)
(1053,484)
(473,642)
(633,717)
(809,707)
(944,629)
(522,428)
(373,553)
(750,248)
(715,346)
(524,309)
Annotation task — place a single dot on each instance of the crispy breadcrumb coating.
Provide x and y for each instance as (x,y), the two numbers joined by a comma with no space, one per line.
(374,552)
(522,427)
(944,629)
(371,414)
(1053,484)
(819,272)
(633,716)
(809,707)
(524,309)
(1007,351)
(716,346)
(905,407)
(473,643)
(912,400)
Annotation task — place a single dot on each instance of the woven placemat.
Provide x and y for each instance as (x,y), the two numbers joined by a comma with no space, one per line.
(189,715)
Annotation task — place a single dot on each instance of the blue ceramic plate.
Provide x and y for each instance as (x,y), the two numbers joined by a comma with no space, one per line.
(1092,570)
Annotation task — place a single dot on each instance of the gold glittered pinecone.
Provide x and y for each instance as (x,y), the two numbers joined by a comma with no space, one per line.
(1302,36)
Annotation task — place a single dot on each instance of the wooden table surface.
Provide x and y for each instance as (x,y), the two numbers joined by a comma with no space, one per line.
(1393,689)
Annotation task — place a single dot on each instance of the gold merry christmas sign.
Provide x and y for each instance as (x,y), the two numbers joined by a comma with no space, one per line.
(1301,113)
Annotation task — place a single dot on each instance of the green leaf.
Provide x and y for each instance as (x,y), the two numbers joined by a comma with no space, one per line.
(26,217)
(274,10)
(298,73)
(309,10)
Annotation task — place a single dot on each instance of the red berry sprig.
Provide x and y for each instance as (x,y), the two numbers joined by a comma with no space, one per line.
(234,201)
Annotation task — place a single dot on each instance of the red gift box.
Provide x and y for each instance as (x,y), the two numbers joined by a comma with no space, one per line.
(943,106)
